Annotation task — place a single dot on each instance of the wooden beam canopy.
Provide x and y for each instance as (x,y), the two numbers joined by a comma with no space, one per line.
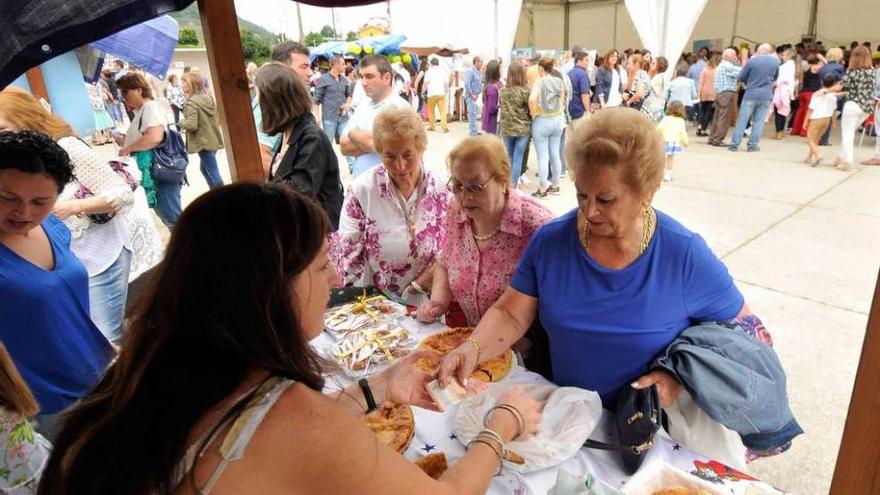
(223,42)
(858,461)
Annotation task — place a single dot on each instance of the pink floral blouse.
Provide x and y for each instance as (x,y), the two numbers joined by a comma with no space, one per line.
(478,279)
(374,245)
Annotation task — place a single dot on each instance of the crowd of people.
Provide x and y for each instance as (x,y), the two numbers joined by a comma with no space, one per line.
(221,332)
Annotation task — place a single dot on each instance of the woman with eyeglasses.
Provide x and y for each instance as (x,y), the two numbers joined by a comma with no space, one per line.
(488,228)
(393,216)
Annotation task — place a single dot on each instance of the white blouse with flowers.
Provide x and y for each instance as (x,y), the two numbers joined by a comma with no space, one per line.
(384,240)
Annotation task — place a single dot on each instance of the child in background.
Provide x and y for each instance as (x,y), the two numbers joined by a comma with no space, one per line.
(819,115)
(674,134)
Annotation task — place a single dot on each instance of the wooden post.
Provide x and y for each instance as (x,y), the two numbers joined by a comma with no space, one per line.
(858,461)
(37,83)
(223,41)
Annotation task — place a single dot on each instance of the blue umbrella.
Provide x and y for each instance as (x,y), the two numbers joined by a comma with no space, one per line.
(149,45)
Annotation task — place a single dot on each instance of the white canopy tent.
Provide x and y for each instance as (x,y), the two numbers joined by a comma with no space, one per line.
(664,26)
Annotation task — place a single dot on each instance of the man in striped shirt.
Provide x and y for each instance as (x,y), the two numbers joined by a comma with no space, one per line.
(725,96)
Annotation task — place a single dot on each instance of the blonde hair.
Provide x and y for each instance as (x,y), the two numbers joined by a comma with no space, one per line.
(14,392)
(834,55)
(27,114)
(399,122)
(620,138)
(487,149)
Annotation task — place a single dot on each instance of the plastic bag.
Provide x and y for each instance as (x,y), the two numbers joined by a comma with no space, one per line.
(587,484)
(570,416)
(689,425)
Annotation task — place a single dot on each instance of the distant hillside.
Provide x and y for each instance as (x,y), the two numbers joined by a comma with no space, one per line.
(189,18)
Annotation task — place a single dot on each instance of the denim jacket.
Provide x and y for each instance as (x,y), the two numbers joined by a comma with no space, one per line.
(737,380)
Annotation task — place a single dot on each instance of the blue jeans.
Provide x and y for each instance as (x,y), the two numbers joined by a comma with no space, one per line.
(108,292)
(547,134)
(756,110)
(168,202)
(472,114)
(516,147)
(115,112)
(333,129)
(208,166)
(561,152)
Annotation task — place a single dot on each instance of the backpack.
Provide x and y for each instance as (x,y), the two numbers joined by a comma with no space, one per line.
(170,158)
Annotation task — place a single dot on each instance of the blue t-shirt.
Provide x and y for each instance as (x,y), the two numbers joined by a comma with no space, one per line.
(46,325)
(580,85)
(606,326)
(759,74)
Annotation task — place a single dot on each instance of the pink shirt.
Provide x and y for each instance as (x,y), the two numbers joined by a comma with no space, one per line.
(476,278)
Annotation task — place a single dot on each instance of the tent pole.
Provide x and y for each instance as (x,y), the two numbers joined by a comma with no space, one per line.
(858,458)
(495,17)
(814,9)
(299,22)
(566,24)
(223,41)
(614,36)
(664,30)
(735,19)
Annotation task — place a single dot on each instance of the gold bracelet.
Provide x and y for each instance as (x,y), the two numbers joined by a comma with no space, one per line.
(517,416)
(476,345)
(487,444)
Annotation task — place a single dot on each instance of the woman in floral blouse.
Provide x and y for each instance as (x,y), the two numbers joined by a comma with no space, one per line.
(487,229)
(23,452)
(858,83)
(393,216)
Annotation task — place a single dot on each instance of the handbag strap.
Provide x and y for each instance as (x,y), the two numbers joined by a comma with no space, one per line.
(635,449)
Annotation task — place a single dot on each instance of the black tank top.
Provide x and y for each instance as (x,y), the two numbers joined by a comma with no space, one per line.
(811,81)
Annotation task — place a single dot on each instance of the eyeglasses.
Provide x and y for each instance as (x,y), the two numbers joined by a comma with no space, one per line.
(456,187)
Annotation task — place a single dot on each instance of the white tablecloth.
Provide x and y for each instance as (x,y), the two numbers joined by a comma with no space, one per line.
(435,432)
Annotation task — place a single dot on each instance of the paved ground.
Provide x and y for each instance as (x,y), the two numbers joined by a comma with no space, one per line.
(802,244)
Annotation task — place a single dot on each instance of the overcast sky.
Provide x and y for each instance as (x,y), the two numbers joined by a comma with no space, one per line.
(280,16)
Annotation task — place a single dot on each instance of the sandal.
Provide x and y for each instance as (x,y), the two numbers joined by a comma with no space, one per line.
(872,161)
(540,194)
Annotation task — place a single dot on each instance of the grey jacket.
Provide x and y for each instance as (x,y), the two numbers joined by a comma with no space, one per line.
(737,380)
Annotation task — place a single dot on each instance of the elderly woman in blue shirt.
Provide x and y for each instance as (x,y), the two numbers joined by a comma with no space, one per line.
(614,281)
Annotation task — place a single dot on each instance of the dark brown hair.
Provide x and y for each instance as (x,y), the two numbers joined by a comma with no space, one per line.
(132,81)
(284,51)
(546,63)
(607,57)
(14,392)
(379,62)
(207,319)
(283,97)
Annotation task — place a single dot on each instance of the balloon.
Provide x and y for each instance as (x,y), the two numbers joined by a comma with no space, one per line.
(368,49)
(395,59)
(407,58)
(353,49)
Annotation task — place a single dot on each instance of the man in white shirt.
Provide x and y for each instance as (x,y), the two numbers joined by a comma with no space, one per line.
(437,85)
(357,141)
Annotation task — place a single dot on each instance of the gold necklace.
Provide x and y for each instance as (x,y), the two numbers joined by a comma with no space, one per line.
(648,219)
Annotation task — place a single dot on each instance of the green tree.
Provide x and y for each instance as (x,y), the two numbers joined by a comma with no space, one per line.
(351,36)
(328,32)
(254,48)
(187,37)
(313,39)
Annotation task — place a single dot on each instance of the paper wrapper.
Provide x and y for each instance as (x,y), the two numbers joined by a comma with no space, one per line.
(367,350)
(656,475)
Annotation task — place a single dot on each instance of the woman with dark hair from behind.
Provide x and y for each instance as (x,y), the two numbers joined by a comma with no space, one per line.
(491,92)
(27,451)
(306,161)
(218,388)
(44,289)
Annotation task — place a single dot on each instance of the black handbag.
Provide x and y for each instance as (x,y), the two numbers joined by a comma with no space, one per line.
(639,417)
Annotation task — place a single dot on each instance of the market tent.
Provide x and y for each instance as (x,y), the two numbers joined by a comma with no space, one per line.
(605,24)
(487,29)
(149,45)
(440,51)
